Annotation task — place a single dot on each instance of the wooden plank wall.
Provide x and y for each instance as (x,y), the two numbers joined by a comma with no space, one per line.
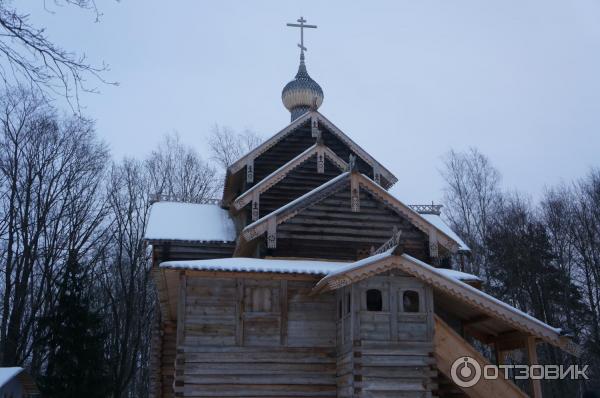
(296,143)
(168,353)
(391,354)
(256,338)
(299,181)
(330,229)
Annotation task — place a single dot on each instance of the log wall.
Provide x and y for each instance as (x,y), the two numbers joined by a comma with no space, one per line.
(330,229)
(385,353)
(255,338)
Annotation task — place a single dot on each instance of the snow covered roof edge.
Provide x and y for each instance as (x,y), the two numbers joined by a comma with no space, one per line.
(191,222)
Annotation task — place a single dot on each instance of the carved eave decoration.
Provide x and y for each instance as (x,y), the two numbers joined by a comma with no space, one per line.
(316,120)
(487,305)
(357,181)
(319,150)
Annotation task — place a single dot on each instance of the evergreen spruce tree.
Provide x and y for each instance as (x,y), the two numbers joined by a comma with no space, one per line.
(75,342)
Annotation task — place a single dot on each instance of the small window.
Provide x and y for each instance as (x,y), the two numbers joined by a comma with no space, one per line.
(348,303)
(374,300)
(410,301)
(340,312)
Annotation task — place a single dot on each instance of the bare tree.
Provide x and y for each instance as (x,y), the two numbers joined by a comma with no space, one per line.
(28,55)
(51,172)
(227,146)
(178,171)
(472,195)
(126,278)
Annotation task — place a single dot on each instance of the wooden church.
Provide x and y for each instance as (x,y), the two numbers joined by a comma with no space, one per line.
(309,279)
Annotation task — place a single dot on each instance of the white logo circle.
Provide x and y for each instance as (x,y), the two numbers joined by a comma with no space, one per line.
(465,372)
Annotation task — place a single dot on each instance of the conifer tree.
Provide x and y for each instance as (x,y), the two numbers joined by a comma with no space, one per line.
(75,341)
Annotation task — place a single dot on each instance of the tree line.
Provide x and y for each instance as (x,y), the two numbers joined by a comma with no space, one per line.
(542,257)
(77,297)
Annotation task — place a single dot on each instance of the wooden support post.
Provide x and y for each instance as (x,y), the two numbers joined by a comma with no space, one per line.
(181,307)
(394,309)
(536,385)
(239,309)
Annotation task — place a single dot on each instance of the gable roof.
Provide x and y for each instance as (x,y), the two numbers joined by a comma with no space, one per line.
(190,222)
(312,117)
(269,181)
(447,284)
(290,210)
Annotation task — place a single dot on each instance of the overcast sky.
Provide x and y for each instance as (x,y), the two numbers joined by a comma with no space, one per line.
(407,80)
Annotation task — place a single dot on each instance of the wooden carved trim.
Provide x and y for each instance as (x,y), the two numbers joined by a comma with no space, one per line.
(433,243)
(354,193)
(262,148)
(377,175)
(491,307)
(272,232)
(255,206)
(239,164)
(335,159)
(272,179)
(290,210)
(461,291)
(415,218)
(357,149)
(320,159)
(266,183)
(314,126)
(250,171)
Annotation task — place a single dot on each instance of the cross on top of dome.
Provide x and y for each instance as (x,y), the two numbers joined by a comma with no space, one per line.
(303,93)
(302,25)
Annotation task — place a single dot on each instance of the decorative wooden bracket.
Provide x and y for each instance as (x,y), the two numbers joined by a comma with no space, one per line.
(272,232)
(320,159)
(250,171)
(433,243)
(351,163)
(314,127)
(354,193)
(255,206)
(377,175)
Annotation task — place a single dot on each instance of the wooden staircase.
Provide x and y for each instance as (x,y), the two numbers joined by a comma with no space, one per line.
(448,346)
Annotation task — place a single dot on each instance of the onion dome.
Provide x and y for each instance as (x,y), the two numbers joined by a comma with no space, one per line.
(302,94)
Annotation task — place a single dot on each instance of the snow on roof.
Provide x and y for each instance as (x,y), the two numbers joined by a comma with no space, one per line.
(448,273)
(244,264)
(360,263)
(483,295)
(7,374)
(437,222)
(458,275)
(189,222)
(449,282)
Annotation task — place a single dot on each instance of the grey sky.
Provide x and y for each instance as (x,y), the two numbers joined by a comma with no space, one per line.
(407,80)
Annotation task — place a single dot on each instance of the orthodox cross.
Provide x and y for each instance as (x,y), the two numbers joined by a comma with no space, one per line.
(302,25)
